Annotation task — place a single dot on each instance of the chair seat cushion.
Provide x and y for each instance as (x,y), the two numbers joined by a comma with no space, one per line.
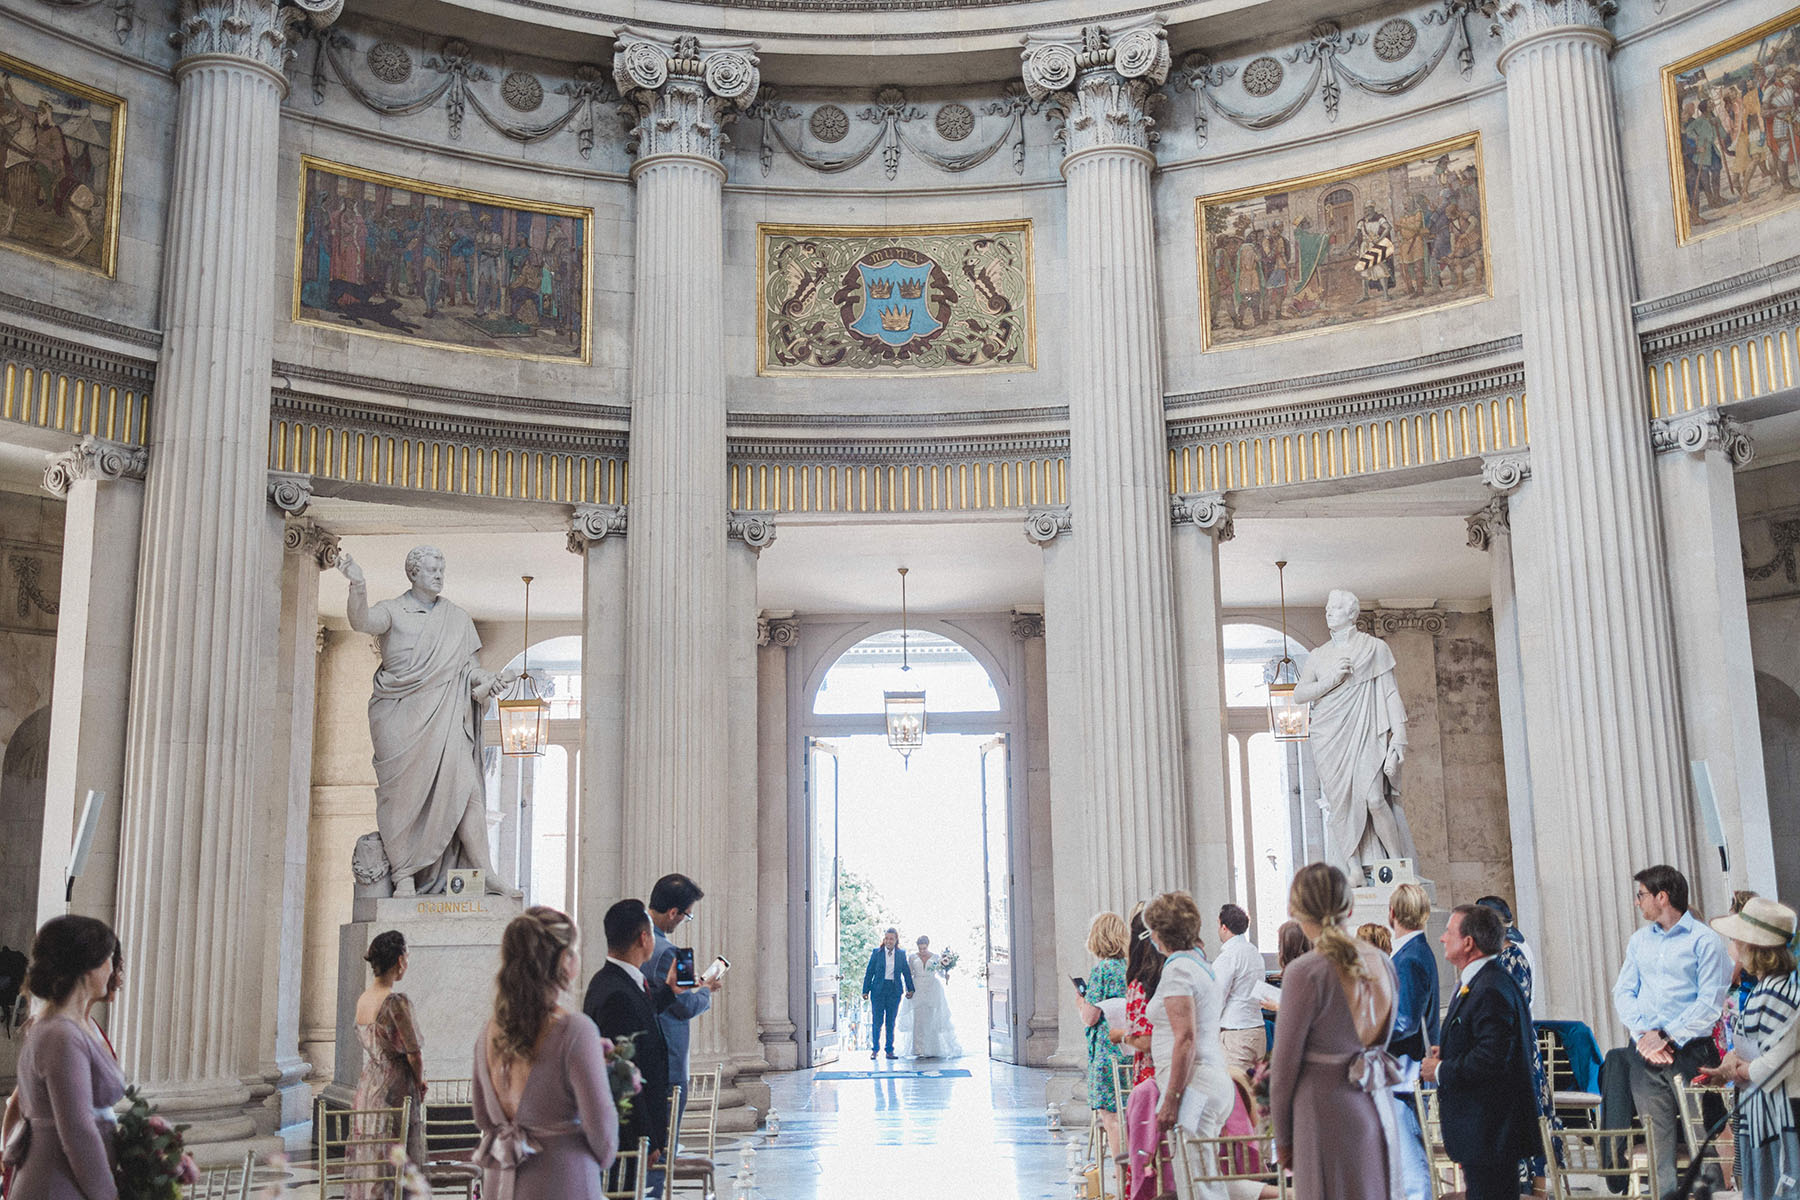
(692,1167)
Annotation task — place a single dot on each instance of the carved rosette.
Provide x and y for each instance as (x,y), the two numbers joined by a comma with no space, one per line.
(94,458)
(1505,474)
(755,529)
(1027,623)
(262,31)
(1700,431)
(1208,512)
(1487,523)
(291,493)
(1515,21)
(1045,525)
(311,541)
(594,523)
(1101,83)
(782,632)
(684,91)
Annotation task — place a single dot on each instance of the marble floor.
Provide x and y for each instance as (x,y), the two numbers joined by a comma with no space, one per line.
(900,1136)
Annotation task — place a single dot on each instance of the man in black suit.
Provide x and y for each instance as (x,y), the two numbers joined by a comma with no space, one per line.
(886,976)
(1483,1068)
(623,1003)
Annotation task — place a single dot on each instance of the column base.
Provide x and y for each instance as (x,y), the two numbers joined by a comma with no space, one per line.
(220,1116)
(780,1051)
(286,1110)
(1067,1089)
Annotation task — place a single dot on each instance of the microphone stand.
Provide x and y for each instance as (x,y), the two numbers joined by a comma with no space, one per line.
(1688,1187)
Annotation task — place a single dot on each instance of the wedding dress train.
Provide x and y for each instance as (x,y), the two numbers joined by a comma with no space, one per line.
(925,1029)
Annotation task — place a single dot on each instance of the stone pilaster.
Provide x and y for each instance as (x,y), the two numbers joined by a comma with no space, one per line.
(103,485)
(186,871)
(1611,668)
(597,533)
(1202,522)
(677,745)
(1129,708)
(1697,454)
(776,634)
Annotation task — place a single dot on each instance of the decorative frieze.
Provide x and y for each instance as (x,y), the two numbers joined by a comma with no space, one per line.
(777,629)
(1044,525)
(310,540)
(94,458)
(262,31)
(1209,512)
(891,114)
(684,91)
(1487,523)
(1385,621)
(1100,84)
(1700,431)
(755,529)
(1028,623)
(290,492)
(594,523)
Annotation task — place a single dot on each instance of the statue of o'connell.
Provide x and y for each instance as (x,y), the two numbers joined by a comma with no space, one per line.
(425,718)
(1358,740)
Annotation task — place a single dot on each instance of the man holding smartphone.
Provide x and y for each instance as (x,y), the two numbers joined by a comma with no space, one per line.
(672,903)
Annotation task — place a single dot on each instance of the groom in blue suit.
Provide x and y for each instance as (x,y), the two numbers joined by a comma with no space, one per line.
(885,979)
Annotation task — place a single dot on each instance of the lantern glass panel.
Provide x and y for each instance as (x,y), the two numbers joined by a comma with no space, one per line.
(524,726)
(905,720)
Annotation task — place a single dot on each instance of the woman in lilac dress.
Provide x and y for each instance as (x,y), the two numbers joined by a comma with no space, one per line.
(1330,1075)
(68,1078)
(542,1101)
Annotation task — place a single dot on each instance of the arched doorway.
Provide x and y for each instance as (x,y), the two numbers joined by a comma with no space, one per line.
(1269,779)
(22,827)
(928,844)
(534,798)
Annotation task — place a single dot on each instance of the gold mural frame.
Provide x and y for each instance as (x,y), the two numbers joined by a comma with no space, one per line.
(546,208)
(1020,225)
(115,187)
(1684,234)
(1462,141)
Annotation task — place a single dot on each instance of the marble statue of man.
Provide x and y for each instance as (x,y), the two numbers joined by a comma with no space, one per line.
(425,719)
(1358,741)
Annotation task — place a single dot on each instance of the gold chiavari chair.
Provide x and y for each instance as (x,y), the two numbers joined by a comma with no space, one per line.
(699,1135)
(629,1175)
(1583,1107)
(1690,1101)
(356,1146)
(1603,1153)
(223,1183)
(451,1137)
(1230,1158)
(1445,1175)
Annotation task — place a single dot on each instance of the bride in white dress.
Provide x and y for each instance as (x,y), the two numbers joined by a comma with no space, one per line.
(924,1025)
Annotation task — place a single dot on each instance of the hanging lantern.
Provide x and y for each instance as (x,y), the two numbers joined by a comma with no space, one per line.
(524,715)
(1290,720)
(905,709)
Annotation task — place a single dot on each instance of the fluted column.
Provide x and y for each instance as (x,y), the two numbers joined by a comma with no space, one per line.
(1623,778)
(597,533)
(1203,522)
(185,872)
(1130,715)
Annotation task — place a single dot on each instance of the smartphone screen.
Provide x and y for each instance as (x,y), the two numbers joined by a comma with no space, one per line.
(684,966)
(1080,986)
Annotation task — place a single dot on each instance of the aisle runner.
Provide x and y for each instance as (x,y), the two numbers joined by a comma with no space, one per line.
(898,1073)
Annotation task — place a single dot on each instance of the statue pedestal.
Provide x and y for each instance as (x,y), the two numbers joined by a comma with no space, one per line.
(452,955)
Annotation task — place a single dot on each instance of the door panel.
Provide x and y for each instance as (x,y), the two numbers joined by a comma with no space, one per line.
(824,1020)
(996,843)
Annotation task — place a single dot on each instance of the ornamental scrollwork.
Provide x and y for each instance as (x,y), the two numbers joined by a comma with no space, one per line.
(1488,523)
(263,31)
(891,114)
(1209,512)
(26,570)
(1044,525)
(755,529)
(1702,430)
(94,458)
(595,523)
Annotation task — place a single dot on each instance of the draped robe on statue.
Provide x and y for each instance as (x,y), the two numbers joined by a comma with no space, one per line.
(1351,728)
(426,727)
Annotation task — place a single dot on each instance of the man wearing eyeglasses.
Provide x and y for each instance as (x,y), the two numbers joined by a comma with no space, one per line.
(1669,995)
(672,903)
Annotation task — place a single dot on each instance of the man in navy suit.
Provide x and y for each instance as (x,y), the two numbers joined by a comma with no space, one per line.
(886,977)
(1483,1068)
(1415,1021)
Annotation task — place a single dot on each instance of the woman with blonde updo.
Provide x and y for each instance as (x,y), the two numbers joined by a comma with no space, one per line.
(1330,1075)
(1184,1032)
(542,1101)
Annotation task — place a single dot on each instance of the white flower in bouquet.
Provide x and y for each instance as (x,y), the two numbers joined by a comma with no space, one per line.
(945,962)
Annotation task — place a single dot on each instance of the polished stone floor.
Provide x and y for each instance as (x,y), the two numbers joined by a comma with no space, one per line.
(901,1135)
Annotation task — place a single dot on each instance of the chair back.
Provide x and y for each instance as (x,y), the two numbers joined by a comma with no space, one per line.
(1227,1159)
(1566,1098)
(223,1183)
(1445,1175)
(355,1146)
(1691,1101)
(700,1123)
(629,1175)
(451,1137)
(1602,1154)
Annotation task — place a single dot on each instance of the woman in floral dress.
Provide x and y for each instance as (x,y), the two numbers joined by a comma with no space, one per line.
(393,1068)
(1107,941)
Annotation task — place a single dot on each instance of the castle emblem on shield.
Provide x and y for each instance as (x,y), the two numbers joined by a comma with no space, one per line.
(895,301)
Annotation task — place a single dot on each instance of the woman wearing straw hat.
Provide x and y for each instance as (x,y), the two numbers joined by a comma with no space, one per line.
(1762,943)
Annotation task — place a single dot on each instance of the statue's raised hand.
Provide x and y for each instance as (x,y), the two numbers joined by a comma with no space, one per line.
(348,566)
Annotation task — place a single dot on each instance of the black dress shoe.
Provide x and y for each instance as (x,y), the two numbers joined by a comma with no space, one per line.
(890,1054)
(871,1056)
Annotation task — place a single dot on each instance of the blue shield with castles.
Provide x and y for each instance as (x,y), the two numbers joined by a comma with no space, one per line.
(894,302)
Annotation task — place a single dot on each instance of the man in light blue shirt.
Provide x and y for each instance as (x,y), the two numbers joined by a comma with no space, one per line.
(1669,995)
(672,903)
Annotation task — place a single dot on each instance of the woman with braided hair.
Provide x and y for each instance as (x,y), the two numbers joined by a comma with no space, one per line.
(1330,1076)
(542,1101)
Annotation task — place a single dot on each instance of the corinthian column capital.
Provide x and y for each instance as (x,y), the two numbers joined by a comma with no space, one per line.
(1100,81)
(94,458)
(684,90)
(1209,512)
(262,31)
(1701,431)
(1517,21)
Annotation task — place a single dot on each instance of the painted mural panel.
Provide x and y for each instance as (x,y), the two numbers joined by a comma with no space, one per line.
(902,300)
(440,266)
(60,166)
(1392,238)
(1733,117)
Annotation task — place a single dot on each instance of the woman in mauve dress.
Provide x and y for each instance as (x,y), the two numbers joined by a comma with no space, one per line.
(542,1101)
(393,1069)
(1330,1075)
(68,1078)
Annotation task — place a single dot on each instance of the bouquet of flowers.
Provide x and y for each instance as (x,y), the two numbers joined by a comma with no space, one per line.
(621,1073)
(153,1165)
(945,962)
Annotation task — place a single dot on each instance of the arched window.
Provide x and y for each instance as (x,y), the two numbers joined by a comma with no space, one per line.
(535,837)
(1266,779)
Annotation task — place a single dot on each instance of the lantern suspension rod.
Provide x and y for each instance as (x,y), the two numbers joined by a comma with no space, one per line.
(1281,577)
(526,668)
(904,665)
